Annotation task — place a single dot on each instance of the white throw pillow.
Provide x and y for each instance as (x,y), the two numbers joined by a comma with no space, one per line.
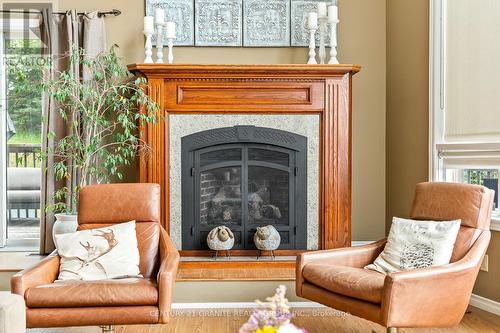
(97,254)
(416,244)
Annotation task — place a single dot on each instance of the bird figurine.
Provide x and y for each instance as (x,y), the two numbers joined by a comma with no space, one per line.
(266,239)
(220,238)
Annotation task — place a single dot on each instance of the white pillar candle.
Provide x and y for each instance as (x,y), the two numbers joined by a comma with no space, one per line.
(321,9)
(159,15)
(170,30)
(312,20)
(149,24)
(333,13)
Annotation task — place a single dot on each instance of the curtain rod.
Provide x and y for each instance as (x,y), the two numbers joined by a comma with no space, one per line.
(114,12)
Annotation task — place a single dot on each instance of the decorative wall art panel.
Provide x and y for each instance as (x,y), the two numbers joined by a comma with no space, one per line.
(250,23)
(179,11)
(218,22)
(266,23)
(300,9)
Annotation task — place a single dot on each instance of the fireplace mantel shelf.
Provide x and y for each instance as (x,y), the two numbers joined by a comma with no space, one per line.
(281,70)
(321,90)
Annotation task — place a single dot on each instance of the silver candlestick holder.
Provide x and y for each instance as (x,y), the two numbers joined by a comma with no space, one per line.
(148,47)
(323,30)
(333,42)
(159,43)
(312,45)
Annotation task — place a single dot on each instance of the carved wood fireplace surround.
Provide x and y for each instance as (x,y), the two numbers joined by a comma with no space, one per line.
(322,90)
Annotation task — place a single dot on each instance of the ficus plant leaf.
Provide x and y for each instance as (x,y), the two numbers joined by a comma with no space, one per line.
(103,114)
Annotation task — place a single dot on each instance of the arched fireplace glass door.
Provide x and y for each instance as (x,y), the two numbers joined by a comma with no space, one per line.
(244,177)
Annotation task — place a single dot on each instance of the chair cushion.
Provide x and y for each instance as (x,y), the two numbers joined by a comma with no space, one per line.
(120,292)
(414,244)
(148,240)
(358,283)
(99,254)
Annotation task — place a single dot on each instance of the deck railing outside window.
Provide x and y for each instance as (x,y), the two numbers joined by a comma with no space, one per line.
(24,155)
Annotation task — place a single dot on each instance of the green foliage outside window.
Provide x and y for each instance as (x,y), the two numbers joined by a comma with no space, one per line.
(24,98)
(477,176)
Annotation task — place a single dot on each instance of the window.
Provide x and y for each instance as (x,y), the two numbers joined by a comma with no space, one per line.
(464,98)
(20,135)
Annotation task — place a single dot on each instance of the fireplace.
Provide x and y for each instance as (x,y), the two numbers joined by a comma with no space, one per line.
(244,177)
(312,101)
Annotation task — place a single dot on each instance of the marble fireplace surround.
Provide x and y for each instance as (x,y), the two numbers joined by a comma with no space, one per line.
(185,124)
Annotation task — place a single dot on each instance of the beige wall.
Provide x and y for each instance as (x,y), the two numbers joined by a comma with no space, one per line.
(362,40)
(487,284)
(407,102)
(407,120)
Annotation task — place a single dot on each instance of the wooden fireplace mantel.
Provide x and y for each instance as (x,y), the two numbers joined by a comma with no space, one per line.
(261,89)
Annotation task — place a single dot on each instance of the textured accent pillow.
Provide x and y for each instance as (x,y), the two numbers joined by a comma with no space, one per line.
(97,254)
(416,244)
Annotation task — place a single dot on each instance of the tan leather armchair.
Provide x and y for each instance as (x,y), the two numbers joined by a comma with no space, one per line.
(128,301)
(431,297)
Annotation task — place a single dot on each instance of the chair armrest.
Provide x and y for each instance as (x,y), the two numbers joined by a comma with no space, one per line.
(356,256)
(169,261)
(44,272)
(435,296)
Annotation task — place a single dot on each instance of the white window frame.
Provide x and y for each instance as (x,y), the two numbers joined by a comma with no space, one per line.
(438,148)
(3,148)
(10,24)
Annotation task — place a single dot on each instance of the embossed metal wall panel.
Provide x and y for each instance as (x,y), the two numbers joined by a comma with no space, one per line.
(250,23)
(299,11)
(218,22)
(179,11)
(266,23)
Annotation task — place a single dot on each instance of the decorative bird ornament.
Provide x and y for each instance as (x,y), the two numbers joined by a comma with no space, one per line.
(267,239)
(220,238)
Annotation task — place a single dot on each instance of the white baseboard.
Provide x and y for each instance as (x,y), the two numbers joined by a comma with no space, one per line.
(475,300)
(495,224)
(359,243)
(238,305)
(485,304)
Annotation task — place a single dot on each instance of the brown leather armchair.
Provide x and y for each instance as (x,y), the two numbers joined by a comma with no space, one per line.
(431,297)
(128,301)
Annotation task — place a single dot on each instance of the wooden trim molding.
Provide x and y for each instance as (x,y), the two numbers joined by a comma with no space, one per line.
(260,89)
(294,71)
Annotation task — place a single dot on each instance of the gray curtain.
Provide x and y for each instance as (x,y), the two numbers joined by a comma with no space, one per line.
(60,34)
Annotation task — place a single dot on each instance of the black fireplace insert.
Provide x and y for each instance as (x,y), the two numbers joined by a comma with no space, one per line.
(244,177)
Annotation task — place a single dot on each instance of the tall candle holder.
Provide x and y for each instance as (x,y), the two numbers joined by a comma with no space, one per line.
(170,49)
(323,27)
(333,41)
(148,47)
(170,32)
(312,45)
(159,43)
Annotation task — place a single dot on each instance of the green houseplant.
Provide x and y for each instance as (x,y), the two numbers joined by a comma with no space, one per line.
(103,114)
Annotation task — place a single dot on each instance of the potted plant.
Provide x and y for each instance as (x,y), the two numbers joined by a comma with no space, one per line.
(103,114)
